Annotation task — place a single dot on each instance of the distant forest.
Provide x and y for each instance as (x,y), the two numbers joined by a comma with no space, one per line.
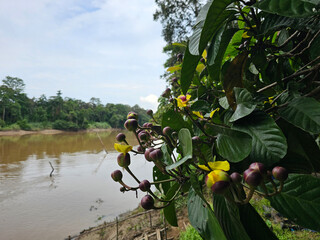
(17,111)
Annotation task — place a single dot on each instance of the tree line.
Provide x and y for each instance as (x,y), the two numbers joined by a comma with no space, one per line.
(17,110)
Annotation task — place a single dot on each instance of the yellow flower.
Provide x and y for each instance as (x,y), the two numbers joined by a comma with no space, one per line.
(218,165)
(198,114)
(183,100)
(245,35)
(270,100)
(216,110)
(216,176)
(122,148)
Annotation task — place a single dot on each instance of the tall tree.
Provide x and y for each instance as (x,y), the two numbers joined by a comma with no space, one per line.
(177,18)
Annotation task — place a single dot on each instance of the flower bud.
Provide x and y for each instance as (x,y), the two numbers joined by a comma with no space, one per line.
(166,93)
(166,131)
(174,80)
(132,115)
(123,160)
(280,173)
(147,202)
(140,149)
(156,155)
(131,124)
(220,187)
(123,189)
(143,136)
(150,112)
(120,137)
(149,125)
(202,60)
(179,57)
(147,154)
(116,175)
(260,167)
(235,177)
(144,185)
(252,177)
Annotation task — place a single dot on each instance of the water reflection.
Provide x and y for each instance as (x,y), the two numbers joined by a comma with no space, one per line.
(80,193)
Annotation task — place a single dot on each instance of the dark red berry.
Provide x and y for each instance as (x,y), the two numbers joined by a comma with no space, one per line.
(156,155)
(147,154)
(144,185)
(236,177)
(123,160)
(120,137)
(260,167)
(150,112)
(147,202)
(280,173)
(220,187)
(252,177)
(131,124)
(167,131)
(116,175)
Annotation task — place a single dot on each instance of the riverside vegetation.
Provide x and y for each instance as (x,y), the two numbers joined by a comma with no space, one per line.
(241,116)
(17,111)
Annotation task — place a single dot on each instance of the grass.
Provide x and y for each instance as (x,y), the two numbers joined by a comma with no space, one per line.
(190,234)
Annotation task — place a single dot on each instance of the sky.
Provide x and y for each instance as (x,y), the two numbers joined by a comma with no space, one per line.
(107,49)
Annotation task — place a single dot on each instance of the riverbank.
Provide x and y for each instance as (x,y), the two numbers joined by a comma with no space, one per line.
(48,131)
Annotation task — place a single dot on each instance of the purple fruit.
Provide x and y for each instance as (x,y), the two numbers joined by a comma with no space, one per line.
(116,175)
(236,177)
(167,131)
(252,177)
(120,137)
(280,173)
(123,160)
(131,124)
(144,185)
(147,202)
(220,187)
(147,154)
(156,155)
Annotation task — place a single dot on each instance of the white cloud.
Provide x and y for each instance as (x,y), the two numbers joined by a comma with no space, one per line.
(88,48)
(151,101)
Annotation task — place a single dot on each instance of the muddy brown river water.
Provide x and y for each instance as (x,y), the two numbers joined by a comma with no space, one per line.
(79,195)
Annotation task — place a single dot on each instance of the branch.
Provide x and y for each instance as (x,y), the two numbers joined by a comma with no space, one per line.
(51,168)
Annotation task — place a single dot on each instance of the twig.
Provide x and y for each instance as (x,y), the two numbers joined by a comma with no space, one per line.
(105,149)
(52,169)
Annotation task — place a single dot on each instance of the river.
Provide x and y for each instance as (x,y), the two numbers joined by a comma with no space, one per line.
(80,194)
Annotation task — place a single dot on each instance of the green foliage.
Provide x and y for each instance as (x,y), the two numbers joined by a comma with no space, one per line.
(190,234)
(246,91)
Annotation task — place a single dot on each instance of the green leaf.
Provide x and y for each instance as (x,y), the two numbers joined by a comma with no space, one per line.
(217,50)
(269,144)
(303,152)
(170,211)
(159,176)
(233,77)
(300,200)
(228,215)
(304,113)
(178,163)
(245,104)
(200,105)
(254,225)
(190,62)
(231,144)
(289,8)
(166,155)
(224,102)
(207,26)
(185,141)
(174,120)
(202,218)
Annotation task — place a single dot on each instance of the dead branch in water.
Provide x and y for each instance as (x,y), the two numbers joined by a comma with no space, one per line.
(52,169)
(105,149)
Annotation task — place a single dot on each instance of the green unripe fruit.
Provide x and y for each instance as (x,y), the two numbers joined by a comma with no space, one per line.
(123,160)
(116,175)
(131,124)
(147,202)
